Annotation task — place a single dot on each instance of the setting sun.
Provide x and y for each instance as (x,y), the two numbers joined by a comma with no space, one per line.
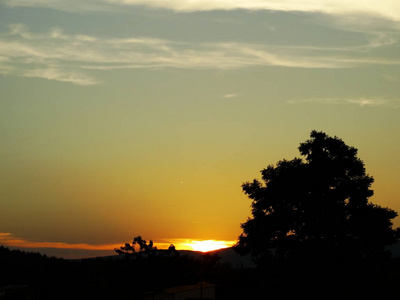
(209,245)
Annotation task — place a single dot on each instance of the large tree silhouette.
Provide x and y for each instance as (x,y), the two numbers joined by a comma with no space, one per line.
(316,207)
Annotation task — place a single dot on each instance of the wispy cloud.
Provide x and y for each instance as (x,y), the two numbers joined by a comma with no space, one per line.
(230,96)
(363,102)
(77,6)
(369,102)
(385,8)
(55,55)
(10,240)
(54,73)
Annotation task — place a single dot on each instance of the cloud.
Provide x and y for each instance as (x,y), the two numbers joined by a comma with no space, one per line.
(368,102)
(60,75)
(363,102)
(230,96)
(389,9)
(55,55)
(9,240)
(76,6)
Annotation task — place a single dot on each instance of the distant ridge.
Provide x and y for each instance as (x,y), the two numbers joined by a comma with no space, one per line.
(228,257)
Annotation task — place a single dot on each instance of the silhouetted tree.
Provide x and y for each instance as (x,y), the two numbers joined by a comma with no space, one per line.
(129,249)
(316,207)
(145,248)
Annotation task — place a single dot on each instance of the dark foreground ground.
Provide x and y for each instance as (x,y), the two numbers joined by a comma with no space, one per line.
(33,276)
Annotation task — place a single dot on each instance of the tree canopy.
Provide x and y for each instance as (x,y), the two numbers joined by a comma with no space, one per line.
(144,247)
(129,249)
(316,206)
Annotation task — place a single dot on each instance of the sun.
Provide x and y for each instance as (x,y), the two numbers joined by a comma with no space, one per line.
(209,245)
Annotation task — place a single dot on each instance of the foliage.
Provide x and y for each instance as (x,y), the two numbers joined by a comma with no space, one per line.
(149,249)
(130,249)
(316,207)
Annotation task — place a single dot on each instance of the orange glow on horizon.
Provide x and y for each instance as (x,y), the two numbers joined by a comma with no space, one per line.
(9,240)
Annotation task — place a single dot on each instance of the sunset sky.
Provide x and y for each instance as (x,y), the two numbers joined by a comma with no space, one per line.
(121,118)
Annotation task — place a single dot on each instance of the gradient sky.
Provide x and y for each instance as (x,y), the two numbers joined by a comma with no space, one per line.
(128,117)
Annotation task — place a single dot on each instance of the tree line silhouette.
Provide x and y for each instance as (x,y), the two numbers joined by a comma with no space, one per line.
(43,277)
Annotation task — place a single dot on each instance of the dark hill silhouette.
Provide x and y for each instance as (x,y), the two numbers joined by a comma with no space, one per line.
(27,275)
(228,257)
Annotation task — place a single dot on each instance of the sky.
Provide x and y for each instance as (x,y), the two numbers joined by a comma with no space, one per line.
(121,118)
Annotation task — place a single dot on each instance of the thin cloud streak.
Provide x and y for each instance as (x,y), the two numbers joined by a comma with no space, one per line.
(363,102)
(52,73)
(9,240)
(370,102)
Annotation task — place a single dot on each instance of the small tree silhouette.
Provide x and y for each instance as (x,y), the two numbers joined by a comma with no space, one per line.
(316,207)
(129,249)
(145,248)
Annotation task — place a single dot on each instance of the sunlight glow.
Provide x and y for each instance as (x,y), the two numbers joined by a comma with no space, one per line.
(209,245)
(10,240)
